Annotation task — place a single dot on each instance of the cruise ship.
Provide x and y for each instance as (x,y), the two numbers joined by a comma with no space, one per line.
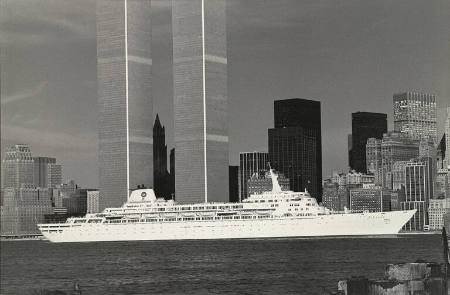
(272,214)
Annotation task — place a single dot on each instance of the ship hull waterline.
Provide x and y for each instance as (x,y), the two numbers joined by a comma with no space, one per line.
(332,225)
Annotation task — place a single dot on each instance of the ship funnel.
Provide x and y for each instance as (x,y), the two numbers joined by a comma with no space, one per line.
(276,188)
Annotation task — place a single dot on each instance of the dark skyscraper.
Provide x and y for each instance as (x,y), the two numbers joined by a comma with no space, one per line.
(160,174)
(364,126)
(172,172)
(233,175)
(295,144)
(200,100)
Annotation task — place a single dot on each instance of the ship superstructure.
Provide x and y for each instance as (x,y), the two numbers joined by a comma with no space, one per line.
(271,214)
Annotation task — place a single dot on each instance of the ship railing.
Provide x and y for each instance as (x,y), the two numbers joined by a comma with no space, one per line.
(203,218)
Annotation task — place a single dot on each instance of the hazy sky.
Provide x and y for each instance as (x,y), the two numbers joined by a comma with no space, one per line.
(351,55)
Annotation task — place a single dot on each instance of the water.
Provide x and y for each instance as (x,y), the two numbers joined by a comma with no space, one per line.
(270,266)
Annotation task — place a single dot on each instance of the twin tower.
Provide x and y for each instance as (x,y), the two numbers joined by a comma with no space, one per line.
(124,70)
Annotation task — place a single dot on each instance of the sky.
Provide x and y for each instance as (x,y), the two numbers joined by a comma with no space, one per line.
(351,55)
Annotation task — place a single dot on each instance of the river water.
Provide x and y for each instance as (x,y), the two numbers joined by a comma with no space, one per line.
(257,266)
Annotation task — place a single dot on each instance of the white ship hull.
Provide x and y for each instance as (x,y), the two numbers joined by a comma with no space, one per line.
(351,224)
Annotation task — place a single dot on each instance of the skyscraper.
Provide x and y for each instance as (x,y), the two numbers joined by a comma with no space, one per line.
(41,170)
(415,115)
(160,174)
(18,167)
(124,97)
(249,164)
(364,126)
(447,139)
(295,144)
(200,100)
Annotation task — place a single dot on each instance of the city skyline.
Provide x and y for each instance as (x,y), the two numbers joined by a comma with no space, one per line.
(66,117)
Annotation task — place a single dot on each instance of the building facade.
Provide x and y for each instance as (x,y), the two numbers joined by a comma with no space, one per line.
(93,201)
(261,182)
(373,155)
(249,164)
(396,147)
(22,209)
(41,170)
(54,175)
(295,144)
(370,198)
(364,126)
(18,167)
(436,211)
(124,98)
(200,100)
(415,115)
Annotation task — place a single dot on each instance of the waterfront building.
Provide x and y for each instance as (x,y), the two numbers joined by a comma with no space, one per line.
(41,170)
(370,198)
(436,211)
(330,196)
(233,181)
(365,125)
(161,177)
(397,197)
(76,203)
(22,208)
(418,192)
(415,115)
(249,164)
(200,100)
(261,182)
(395,147)
(18,167)
(93,201)
(295,144)
(125,98)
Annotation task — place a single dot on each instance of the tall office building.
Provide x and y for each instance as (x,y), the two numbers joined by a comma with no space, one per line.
(172,172)
(124,97)
(200,100)
(160,173)
(395,147)
(295,144)
(418,192)
(364,126)
(18,167)
(41,170)
(249,164)
(415,115)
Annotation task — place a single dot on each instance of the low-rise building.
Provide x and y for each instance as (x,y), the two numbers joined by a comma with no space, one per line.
(436,211)
(370,198)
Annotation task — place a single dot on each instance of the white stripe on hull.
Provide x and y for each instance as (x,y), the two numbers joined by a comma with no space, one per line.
(386,223)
